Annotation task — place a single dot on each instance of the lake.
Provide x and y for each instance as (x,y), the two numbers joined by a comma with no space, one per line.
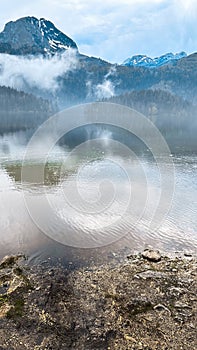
(93,201)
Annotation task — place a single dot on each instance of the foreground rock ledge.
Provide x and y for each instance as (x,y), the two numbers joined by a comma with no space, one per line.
(138,304)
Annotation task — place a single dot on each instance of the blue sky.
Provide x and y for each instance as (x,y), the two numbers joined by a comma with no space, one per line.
(116,29)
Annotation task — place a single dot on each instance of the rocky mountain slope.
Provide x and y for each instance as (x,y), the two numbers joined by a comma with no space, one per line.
(29,35)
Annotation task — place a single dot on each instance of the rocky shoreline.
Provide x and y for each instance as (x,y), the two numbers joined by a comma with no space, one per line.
(147,301)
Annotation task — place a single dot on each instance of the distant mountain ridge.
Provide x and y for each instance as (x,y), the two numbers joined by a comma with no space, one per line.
(29,35)
(145,61)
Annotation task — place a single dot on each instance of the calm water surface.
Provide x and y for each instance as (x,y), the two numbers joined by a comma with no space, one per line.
(92,216)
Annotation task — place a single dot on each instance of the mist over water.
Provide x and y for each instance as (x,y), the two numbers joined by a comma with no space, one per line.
(90,169)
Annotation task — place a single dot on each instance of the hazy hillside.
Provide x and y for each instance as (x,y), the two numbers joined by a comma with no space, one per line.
(80,85)
(175,117)
(20,111)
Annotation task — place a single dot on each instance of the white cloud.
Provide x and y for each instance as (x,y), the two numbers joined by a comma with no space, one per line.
(106,89)
(39,72)
(116,29)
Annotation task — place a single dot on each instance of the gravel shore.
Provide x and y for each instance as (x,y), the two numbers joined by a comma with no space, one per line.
(148,301)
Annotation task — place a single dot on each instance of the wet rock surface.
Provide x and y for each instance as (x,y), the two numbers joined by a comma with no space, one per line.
(136,304)
(151,255)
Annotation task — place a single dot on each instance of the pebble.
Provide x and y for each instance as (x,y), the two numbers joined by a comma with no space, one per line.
(161,307)
(187,254)
(151,255)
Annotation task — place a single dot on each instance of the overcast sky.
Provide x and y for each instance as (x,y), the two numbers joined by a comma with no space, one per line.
(116,29)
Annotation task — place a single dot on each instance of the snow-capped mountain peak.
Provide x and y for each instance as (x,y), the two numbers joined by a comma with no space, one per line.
(145,61)
(29,35)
